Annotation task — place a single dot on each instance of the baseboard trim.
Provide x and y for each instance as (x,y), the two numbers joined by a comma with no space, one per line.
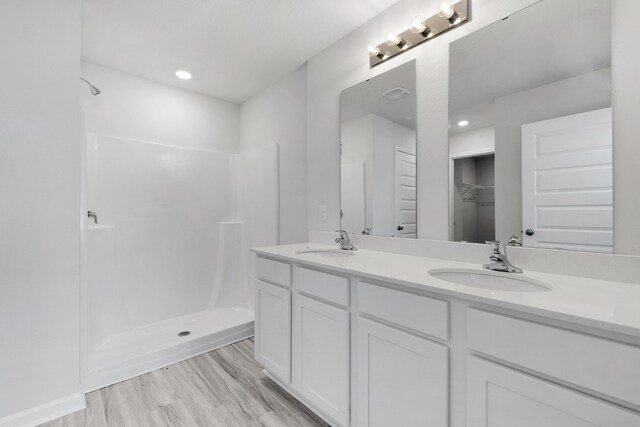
(46,412)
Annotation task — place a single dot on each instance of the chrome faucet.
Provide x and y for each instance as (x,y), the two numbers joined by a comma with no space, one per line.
(499,261)
(514,241)
(344,242)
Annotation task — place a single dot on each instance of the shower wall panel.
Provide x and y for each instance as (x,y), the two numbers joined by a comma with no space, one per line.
(163,206)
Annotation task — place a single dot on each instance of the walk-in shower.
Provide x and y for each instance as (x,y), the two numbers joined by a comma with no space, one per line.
(167,264)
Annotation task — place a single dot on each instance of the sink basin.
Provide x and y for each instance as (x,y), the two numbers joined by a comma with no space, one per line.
(326,253)
(491,280)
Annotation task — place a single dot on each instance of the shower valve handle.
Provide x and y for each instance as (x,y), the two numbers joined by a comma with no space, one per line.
(92,214)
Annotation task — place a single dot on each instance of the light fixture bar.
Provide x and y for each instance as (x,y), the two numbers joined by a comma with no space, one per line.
(450,15)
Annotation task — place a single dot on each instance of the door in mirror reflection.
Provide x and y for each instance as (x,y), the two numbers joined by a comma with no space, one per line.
(534,91)
(378,155)
(567,186)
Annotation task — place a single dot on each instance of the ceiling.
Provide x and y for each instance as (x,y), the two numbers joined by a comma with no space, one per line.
(366,97)
(233,48)
(550,41)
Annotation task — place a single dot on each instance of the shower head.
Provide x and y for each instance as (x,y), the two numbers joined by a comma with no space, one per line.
(94,90)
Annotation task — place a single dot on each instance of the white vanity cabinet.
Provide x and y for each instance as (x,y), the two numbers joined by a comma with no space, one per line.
(321,332)
(272,347)
(321,356)
(361,352)
(498,396)
(402,378)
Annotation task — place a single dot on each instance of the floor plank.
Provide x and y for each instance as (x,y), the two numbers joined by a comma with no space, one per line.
(222,388)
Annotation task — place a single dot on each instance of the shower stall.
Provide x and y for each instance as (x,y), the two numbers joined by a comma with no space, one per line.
(167,260)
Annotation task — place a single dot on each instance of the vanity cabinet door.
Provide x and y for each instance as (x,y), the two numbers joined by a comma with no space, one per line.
(273,329)
(402,378)
(502,397)
(321,356)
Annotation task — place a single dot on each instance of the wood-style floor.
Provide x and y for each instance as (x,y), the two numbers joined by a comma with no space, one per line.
(224,387)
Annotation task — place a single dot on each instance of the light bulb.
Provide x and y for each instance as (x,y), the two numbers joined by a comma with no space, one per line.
(374,51)
(418,27)
(393,39)
(463,123)
(447,12)
(184,75)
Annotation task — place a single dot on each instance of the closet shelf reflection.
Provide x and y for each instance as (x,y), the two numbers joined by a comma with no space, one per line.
(470,191)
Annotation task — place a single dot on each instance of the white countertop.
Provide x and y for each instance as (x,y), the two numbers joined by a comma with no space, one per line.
(607,305)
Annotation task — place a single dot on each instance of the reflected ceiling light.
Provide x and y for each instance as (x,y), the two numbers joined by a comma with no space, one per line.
(395,40)
(374,51)
(447,12)
(463,123)
(419,27)
(184,75)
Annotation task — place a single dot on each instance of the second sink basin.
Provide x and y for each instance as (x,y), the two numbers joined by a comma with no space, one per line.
(326,253)
(491,280)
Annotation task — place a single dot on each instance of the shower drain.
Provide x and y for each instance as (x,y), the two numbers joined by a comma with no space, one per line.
(184,333)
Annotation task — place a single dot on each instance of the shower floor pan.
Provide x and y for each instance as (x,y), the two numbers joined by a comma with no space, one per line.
(154,346)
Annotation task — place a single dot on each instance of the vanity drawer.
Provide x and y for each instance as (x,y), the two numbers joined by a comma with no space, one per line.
(326,286)
(604,366)
(273,271)
(419,313)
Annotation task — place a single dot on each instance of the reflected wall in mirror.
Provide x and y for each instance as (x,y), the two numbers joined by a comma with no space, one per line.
(378,155)
(530,140)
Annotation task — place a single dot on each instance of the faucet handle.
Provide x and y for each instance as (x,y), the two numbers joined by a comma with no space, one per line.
(497,247)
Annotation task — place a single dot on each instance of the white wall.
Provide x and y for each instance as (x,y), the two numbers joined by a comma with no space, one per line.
(135,108)
(357,148)
(278,115)
(345,64)
(40,213)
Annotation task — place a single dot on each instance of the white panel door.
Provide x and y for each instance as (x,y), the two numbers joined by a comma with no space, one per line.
(321,356)
(273,329)
(402,379)
(353,197)
(501,397)
(567,192)
(405,194)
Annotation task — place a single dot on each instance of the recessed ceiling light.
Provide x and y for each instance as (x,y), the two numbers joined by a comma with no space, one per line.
(463,122)
(184,75)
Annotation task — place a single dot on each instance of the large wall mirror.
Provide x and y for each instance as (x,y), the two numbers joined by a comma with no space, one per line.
(378,154)
(530,140)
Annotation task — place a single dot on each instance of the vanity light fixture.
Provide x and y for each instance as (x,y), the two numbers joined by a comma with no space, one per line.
(184,75)
(463,123)
(451,14)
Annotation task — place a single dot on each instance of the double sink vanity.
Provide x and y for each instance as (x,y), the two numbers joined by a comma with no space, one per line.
(369,338)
